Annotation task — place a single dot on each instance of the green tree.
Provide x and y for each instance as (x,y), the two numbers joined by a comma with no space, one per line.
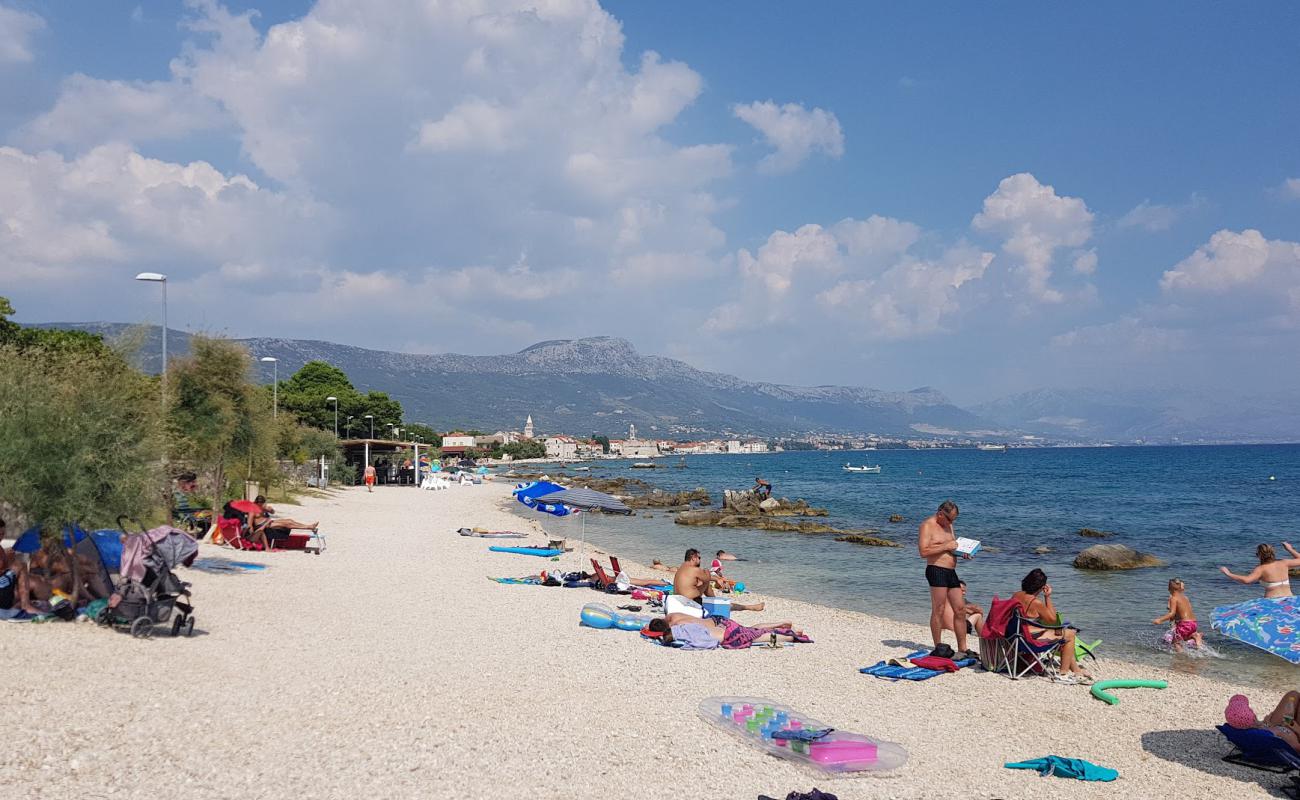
(219,421)
(79,435)
(603,441)
(424,433)
(303,395)
(528,449)
(50,339)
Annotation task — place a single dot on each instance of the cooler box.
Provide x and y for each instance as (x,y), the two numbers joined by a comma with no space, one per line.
(717,606)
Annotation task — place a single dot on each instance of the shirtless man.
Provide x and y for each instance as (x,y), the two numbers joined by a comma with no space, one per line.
(938,546)
(691,583)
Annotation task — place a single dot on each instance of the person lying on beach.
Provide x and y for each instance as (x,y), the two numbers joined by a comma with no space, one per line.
(269,528)
(1034,609)
(691,584)
(1272,574)
(973,614)
(731,635)
(661,566)
(1281,721)
(1180,613)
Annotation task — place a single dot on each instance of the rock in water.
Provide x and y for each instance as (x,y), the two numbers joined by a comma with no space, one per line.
(895,517)
(1042,550)
(1093,533)
(1114,556)
(770,504)
(873,541)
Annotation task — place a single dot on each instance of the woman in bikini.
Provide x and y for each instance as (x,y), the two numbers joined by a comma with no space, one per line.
(1281,722)
(1034,609)
(730,634)
(1271,573)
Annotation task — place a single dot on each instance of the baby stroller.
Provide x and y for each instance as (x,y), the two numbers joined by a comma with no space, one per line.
(148,592)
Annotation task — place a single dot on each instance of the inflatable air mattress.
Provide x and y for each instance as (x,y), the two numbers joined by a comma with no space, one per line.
(785,733)
(491,534)
(527,551)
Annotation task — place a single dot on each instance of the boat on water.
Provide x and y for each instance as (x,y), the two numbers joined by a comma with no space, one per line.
(582,469)
(644,465)
(861,468)
(992,448)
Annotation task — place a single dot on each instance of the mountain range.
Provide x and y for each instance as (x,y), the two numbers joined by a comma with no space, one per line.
(601,385)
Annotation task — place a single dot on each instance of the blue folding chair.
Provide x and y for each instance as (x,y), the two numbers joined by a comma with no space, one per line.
(1259,748)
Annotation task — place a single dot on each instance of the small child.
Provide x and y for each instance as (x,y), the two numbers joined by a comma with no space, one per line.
(1180,613)
(715,573)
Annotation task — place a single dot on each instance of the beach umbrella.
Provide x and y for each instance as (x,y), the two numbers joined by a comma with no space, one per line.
(527,493)
(586,500)
(1271,624)
(246,506)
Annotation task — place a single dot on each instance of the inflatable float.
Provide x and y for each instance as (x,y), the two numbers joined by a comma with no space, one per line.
(527,551)
(1099,688)
(491,534)
(785,733)
(599,615)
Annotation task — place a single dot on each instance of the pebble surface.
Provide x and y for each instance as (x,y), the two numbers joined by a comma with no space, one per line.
(390,667)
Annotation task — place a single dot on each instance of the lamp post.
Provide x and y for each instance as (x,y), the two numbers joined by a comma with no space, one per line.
(336,414)
(371,417)
(158,277)
(275,384)
(347,426)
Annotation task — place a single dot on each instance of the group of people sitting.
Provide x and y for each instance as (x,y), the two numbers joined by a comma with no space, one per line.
(260,527)
(39,582)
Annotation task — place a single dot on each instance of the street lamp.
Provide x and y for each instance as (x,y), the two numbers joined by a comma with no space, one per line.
(371,417)
(158,277)
(275,384)
(347,426)
(336,414)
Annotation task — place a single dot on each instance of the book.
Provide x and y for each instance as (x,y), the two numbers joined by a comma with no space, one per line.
(967,547)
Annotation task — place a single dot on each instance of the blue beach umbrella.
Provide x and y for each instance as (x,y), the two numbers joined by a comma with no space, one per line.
(527,493)
(1271,624)
(586,500)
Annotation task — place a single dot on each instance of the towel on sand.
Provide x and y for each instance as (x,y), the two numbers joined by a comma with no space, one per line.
(1067,768)
(898,672)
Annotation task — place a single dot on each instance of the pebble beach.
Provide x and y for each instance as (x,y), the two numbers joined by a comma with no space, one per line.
(391,667)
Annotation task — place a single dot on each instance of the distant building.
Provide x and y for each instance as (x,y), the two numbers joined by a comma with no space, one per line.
(563,447)
(528,427)
(457,440)
(616,447)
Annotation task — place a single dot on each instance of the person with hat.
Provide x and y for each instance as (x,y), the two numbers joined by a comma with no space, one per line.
(1281,721)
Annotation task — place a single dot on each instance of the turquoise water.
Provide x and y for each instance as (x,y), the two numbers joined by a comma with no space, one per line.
(1194,507)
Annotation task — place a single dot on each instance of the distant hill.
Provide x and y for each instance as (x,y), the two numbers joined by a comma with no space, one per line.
(595,385)
(1147,415)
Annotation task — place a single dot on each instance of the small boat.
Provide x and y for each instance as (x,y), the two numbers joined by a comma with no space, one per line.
(582,469)
(862,468)
(644,465)
(993,448)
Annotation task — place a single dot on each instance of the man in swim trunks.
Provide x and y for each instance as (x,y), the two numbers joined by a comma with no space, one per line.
(729,633)
(691,583)
(370,477)
(938,546)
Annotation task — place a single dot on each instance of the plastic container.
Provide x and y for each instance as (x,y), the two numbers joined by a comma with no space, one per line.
(717,606)
(838,751)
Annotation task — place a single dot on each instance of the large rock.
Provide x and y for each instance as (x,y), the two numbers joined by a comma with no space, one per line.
(726,519)
(770,504)
(662,499)
(1114,556)
(746,503)
(1093,533)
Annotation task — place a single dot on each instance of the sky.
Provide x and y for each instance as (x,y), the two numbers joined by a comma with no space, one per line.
(982,199)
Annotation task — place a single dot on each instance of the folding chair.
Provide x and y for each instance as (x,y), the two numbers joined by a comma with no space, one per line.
(1261,749)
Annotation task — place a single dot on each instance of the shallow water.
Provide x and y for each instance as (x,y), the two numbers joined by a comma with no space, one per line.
(1195,507)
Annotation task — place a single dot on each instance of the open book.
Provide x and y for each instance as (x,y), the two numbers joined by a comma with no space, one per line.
(967,547)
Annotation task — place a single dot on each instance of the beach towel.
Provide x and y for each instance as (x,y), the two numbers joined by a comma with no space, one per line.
(530,580)
(693,636)
(1067,768)
(900,672)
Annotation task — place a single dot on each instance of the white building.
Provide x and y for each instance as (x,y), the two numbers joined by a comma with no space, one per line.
(457,440)
(562,447)
(528,427)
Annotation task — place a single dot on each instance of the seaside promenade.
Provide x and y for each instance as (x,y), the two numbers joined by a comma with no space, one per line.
(390,667)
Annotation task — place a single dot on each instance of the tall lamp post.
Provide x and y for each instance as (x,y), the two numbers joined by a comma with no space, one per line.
(371,417)
(335,400)
(347,426)
(275,384)
(158,277)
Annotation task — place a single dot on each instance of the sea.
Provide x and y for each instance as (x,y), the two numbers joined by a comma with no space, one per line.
(1194,507)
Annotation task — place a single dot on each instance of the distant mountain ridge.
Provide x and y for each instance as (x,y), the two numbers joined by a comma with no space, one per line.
(596,385)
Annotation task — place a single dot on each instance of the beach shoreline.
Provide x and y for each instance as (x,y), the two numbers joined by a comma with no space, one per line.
(389,667)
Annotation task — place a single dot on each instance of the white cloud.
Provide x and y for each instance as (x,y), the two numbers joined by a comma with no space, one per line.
(793,131)
(1233,261)
(1156,217)
(1290,188)
(1130,337)
(1035,222)
(16,30)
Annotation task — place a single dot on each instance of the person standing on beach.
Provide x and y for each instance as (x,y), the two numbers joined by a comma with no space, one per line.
(370,477)
(938,546)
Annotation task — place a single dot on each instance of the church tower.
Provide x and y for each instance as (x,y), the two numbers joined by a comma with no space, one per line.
(631,432)
(528,427)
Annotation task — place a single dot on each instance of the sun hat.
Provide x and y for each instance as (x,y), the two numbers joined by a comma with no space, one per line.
(1239,714)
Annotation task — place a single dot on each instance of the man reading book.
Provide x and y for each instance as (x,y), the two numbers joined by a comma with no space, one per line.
(938,546)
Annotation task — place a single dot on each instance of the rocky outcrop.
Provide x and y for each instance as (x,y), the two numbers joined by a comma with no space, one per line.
(896,517)
(746,503)
(661,499)
(1042,550)
(1114,557)
(872,541)
(1093,533)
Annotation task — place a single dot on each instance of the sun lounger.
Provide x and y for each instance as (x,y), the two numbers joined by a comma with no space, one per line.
(1258,748)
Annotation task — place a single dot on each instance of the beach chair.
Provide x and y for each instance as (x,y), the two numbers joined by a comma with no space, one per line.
(603,581)
(230,533)
(1006,645)
(1259,748)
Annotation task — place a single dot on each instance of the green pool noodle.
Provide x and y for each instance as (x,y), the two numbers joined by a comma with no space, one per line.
(1099,689)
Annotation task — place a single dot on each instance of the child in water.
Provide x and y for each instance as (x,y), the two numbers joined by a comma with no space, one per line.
(1180,613)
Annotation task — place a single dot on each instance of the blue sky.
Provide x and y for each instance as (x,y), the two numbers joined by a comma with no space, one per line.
(985,200)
